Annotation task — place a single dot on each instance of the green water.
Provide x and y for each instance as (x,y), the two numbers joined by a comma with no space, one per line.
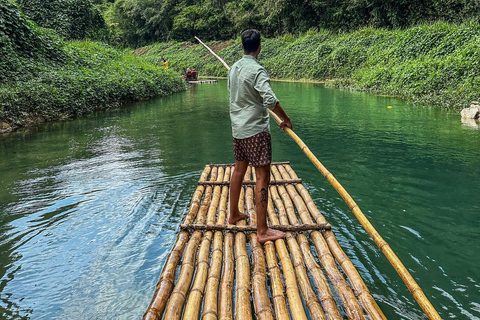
(89,208)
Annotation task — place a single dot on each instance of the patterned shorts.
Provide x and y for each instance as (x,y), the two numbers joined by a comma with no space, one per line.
(256,149)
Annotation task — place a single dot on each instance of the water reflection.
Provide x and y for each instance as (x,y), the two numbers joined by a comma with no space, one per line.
(470,123)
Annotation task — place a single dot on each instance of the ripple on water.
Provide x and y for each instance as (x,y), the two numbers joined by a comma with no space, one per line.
(92,234)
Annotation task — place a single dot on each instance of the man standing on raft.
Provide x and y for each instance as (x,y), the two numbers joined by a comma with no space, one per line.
(250,98)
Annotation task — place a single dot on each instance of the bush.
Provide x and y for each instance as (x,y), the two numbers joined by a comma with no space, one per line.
(431,63)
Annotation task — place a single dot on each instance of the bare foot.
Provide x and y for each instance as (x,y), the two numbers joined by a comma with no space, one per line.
(234,218)
(270,235)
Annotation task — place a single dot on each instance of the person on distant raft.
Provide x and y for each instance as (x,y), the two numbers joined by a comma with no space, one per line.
(250,98)
(165,63)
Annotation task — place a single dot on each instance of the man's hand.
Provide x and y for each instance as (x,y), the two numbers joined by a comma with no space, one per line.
(286,123)
(278,110)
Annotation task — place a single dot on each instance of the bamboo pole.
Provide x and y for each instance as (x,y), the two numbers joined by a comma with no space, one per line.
(195,297)
(212,210)
(176,302)
(278,294)
(222,214)
(261,301)
(225,305)
(407,278)
(210,308)
(249,183)
(243,308)
(167,279)
(197,197)
(253,228)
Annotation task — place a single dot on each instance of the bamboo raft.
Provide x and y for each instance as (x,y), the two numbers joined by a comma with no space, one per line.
(220,271)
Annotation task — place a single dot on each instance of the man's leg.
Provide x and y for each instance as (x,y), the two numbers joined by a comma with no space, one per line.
(261,201)
(235,188)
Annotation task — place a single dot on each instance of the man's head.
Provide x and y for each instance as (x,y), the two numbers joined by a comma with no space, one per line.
(250,41)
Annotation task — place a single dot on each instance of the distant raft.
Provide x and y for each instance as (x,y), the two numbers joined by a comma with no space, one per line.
(225,273)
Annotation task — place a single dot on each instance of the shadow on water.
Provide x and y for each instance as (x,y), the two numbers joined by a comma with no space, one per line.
(89,208)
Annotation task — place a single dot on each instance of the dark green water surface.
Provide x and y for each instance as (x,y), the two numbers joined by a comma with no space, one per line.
(89,208)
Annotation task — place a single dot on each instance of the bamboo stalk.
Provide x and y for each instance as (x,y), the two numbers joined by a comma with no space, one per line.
(291,284)
(197,197)
(167,279)
(263,309)
(233,164)
(175,304)
(222,214)
(243,308)
(212,210)
(249,183)
(407,278)
(261,301)
(253,228)
(225,308)
(210,308)
(192,308)
(278,294)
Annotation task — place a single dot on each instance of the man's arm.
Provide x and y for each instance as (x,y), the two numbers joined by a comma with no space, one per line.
(278,110)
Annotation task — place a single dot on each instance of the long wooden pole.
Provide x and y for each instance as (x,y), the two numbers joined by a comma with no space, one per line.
(412,285)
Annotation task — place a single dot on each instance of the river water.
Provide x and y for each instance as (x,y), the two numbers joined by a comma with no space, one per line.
(89,208)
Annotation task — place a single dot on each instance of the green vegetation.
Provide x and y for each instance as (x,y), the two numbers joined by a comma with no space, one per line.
(433,63)
(44,77)
(72,19)
(141,22)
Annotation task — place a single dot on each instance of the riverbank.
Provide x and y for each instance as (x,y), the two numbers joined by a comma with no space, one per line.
(45,78)
(435,64)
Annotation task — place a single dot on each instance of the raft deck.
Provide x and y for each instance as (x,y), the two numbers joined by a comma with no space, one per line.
(220,271)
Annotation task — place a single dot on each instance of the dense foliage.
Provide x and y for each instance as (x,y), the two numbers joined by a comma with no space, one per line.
(433,63)
(44,77)
(72,19)
(147,21)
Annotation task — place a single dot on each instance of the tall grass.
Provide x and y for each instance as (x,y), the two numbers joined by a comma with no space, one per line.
(436,64)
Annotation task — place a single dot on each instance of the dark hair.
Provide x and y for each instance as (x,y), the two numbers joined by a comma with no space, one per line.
(250,40)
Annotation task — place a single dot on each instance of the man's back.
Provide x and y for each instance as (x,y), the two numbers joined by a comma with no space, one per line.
(250,96)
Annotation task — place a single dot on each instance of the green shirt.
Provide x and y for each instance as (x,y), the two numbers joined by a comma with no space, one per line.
(250,98)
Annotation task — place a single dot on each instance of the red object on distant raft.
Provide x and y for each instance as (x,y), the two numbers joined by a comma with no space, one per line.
(191,75)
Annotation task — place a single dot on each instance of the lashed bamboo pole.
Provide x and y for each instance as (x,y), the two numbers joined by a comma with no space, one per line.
(278,294)
(225,304)
(212,210)
(249,183)
(210,308)
(243,310)
(222,214)
(345,293)
(261,302)
(369,304)
(412,285)
(207,198)
(251,228)
(176,302)
(195,297)
(167,279)
(197,197)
